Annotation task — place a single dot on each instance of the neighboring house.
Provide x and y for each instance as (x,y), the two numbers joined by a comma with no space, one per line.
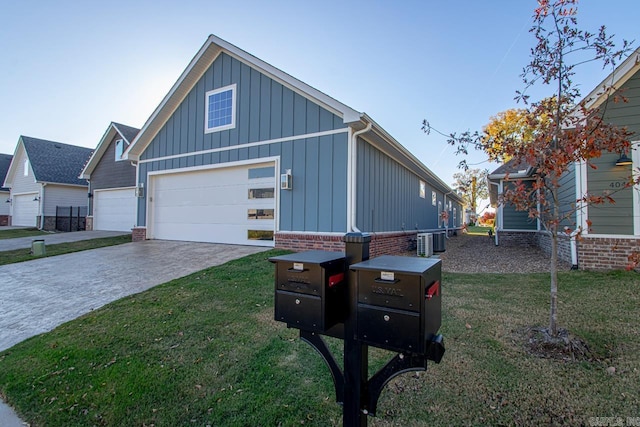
(5,197)
(240,152)
(42,175)
(610,232)
(112,182)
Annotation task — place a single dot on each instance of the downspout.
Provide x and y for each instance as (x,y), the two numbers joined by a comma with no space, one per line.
(574,249)
(354,163)
(41,209)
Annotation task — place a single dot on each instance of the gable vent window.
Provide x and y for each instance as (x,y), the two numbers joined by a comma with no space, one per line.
(26,167)
(220,109)
(120,148)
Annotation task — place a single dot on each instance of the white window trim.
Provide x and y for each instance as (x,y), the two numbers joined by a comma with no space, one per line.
(231,125)
(119,158)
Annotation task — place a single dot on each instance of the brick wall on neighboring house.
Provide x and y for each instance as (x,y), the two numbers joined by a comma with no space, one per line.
(518,238)
(564,245)
(605,253)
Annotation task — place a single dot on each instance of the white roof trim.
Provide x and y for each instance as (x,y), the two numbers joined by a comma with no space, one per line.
(14,161)
(616,79)
(101,148)
(199,65)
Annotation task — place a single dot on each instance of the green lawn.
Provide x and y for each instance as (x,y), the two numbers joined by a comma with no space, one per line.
(20,232)
(204,350)
(20,255)
(478,230)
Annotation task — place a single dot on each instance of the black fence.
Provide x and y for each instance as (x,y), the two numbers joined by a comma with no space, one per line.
(71,218)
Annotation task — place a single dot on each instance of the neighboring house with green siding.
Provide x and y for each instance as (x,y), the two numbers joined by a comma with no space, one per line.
(610,232)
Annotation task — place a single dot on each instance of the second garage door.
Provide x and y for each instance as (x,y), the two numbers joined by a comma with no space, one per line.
(230,205)
(114,209)
(25,210)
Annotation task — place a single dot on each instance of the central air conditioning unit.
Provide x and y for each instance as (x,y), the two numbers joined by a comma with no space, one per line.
(425,244)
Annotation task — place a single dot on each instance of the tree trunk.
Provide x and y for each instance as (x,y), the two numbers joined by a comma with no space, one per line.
(553,317)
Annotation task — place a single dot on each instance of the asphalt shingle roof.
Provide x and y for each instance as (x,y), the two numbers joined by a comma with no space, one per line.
(56,162)
(5,161)
(511,167)
(127,131)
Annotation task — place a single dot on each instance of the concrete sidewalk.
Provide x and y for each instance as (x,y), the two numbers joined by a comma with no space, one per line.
(54,238)
(39,295)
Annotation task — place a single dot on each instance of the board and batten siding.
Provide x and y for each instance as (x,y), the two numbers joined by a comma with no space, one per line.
(63,195)
(110,173)
(265,111)
(21,183)
(388,195)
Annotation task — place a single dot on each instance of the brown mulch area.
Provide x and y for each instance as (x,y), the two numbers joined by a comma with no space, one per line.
(467,253)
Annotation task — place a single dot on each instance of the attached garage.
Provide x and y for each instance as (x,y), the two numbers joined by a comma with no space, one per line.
(223,205)
(114,209)
(25,210)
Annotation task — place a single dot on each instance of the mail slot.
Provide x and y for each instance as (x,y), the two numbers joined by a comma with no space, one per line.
(310,289)
(399,306)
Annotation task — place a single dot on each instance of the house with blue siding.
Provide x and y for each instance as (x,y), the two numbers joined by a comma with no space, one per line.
(240,152)
(112,181)
(43,175)
(610,232)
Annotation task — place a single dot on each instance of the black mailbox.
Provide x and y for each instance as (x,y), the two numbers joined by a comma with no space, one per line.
(310,290)
(399,305)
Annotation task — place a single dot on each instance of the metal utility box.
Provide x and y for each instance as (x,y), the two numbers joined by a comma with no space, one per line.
(38,248)
(399,302)
(311,290)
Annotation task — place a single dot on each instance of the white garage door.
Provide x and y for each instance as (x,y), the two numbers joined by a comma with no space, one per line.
(25,210)
(114,209)
(230,205)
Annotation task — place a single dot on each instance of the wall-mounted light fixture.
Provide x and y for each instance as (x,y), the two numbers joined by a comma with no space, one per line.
(36,199)
(624,160)
(140,190)
(286,180)
(89,195)
(8,201)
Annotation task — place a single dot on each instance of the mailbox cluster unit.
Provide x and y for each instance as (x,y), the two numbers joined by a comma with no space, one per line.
(398,303)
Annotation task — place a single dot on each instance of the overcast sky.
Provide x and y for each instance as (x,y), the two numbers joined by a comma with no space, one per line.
(69,68)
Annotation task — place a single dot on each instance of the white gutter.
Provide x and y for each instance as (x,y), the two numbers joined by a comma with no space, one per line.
(41,203)
(352,177)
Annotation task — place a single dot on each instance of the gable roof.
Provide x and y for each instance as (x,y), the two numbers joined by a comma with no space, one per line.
(52,162)
(616,79)
(200,63)
(513,169)
(127,133)
(5,161)
(208,53)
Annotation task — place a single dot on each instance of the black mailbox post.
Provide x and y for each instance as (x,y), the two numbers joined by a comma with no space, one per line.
(311,292)
(387,302)
(399,304)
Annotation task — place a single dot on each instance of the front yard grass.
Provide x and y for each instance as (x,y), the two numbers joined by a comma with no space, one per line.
(14,233)
(205,350)
(20,255)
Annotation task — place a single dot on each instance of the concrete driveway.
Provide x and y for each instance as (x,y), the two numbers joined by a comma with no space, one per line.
(36,296)
(39,295)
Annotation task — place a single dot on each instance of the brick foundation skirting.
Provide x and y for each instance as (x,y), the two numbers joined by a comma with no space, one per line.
(381,243)
(594,253)
(138,234)
(4,220)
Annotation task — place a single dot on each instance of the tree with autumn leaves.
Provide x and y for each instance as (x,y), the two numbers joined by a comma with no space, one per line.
(552,134)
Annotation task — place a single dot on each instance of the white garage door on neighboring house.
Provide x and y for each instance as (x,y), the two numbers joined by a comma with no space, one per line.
(25,210)
(114,209)
(227,205)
